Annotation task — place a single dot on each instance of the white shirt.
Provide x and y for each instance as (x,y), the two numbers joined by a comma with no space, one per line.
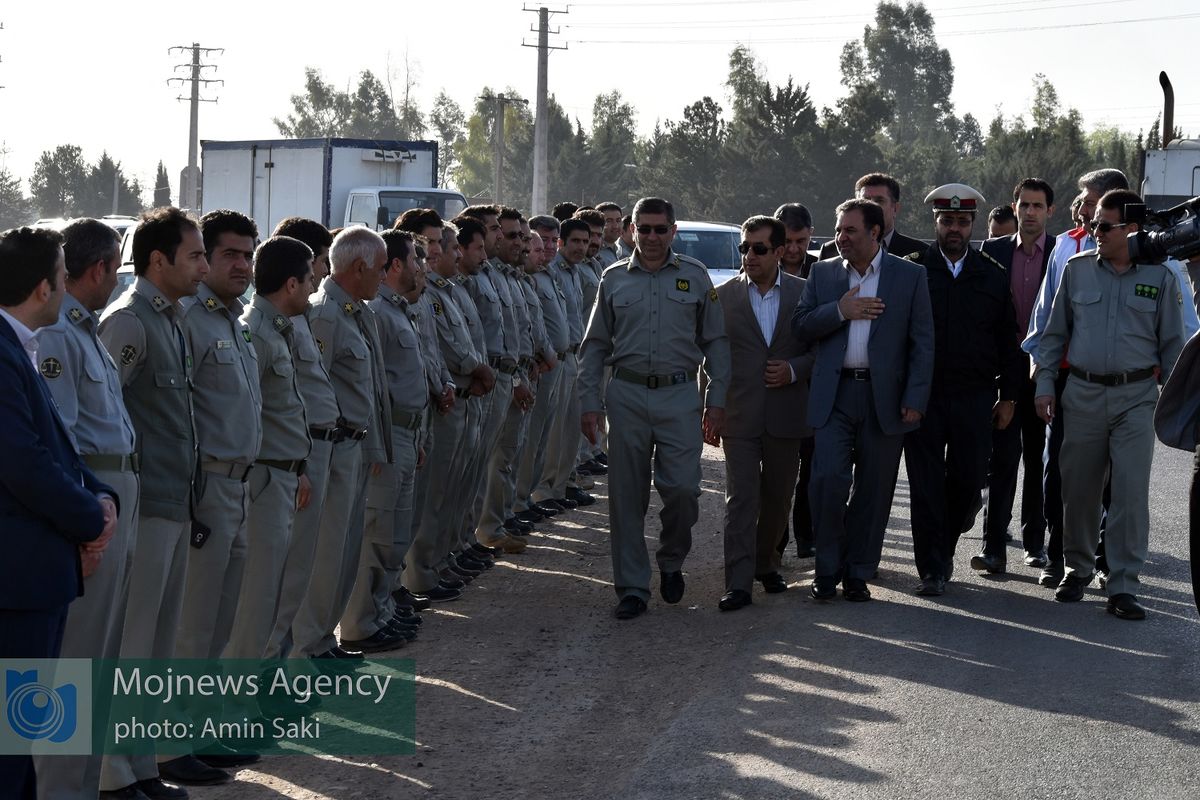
(955,266)
(765,306)
(860,329)
(25,336)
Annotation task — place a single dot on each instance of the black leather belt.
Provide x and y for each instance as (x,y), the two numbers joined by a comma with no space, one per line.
(287,466)
(228,469)
(112,463)
(653,381)
(1114,378)
(856,373)
(324,434)
(354,434)
(407,419)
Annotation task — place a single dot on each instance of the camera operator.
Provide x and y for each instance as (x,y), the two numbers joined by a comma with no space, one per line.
(1124,324)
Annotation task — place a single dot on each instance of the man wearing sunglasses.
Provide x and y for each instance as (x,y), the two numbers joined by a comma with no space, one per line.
(1120,325)
(766,406)
(657,317)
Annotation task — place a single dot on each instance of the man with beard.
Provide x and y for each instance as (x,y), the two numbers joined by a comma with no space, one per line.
(975,353)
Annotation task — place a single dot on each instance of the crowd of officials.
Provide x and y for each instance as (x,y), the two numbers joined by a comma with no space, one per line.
(195,472)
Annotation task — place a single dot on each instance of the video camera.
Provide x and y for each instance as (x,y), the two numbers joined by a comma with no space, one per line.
(1173,233)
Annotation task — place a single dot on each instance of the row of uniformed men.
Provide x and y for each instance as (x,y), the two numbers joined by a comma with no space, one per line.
(265,443)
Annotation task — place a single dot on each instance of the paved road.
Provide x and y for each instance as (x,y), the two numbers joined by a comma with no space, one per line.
(529,689)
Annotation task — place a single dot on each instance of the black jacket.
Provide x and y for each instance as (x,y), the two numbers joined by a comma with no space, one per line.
(902,246)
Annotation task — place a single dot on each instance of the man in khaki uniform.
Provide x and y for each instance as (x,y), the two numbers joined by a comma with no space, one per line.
(277,484)
(1120,325)
(143,333)
(656,319)
(347,338)
(86,388)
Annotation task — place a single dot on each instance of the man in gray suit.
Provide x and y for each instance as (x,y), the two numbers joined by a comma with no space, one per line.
(867,313)
(765,411)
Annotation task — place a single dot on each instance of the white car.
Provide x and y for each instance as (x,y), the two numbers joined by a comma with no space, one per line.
(712,243)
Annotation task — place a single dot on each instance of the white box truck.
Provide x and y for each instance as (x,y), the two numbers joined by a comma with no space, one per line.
(338,182)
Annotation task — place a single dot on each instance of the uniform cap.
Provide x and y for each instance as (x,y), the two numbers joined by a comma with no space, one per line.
(954,197)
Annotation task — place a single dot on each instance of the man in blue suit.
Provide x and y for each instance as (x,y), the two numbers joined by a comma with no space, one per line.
(57,516)
(867,313)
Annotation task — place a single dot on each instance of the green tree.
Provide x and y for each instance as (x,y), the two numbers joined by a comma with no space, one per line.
(449,126)
(102,177)
(369,112)
(610,151)
(683,161)
(162,187)
(319,111)
(60,182)
(474,172)
(15,208)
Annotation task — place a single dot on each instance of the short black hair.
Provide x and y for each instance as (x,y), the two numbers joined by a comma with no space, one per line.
(510,213)
(1033,185)
(468,228)
(28,256)
(280,258)
(1118,199)
(571,225)
(654,205)
(872,212)
(416,220)
(399,244)
(1001,215)
(544,222)
(223,220)
(879,179)
(794,216)
(479,212)
(160,229)
(778,230)
(309,231)
(86,241)
(564,210)
(626,221)
(591,216)
(608,206)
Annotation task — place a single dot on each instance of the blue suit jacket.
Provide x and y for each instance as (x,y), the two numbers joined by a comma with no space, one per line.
(900,347)
(48,504)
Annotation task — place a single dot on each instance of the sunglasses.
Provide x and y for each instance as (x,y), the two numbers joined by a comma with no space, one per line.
(661,230)
(759,248)
(1104,227)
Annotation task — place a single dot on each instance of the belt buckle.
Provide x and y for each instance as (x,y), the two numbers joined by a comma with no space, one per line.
(652,382)
(678,378)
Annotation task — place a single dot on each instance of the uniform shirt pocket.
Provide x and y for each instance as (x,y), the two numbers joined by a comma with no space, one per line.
(216,370)
(1084,307)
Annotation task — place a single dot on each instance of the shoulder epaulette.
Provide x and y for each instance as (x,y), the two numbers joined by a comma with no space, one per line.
(914,257)
(994,261)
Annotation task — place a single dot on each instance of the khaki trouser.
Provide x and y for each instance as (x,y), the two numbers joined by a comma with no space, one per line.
(156,582)
(95,623)
(272,496)
(563,447)
(431,538)
(760,479)
(489,440)
(1107,425)
(455,534)
(501,477)
(546,413)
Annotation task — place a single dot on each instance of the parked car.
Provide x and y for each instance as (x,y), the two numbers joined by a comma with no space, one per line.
(714,244)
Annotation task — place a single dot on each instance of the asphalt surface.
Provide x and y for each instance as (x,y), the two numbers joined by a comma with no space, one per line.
(528,688)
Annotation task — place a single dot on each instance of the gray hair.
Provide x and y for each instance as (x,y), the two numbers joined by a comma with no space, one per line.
(543,222)
(352,244)
(1102,181)
(449,235)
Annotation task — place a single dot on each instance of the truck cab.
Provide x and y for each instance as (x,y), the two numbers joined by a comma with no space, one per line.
(378,207)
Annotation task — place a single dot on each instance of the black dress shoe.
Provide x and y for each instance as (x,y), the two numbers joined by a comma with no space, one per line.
(513,525)
(984,562)
(602,458)
(449,581)
(805,550)
(403,631)
(325,654)
(773,583)
(547,509)
(464,573)
(823,589)
(855,590)
(1037,559)
(580,497)
(732,601)
(1071,588)
(566,502)
(1125,606)
(443,594)
(630,607)
(191,771)
(419,602)
(349,655)
(483,550)
(130,792)
(931,586)
(1052,575)
(410,617)
(155,789)
(480,564)
(529,516)
(378,642)
(594,467)
(670,586)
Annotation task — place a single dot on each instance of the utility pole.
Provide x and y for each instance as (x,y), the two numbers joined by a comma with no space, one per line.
(541,122)
(500,102)
(189,180)
(1,59)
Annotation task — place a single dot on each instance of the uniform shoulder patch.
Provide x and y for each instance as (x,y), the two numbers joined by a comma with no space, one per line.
(159,302)
(348,307)
(712,295)
(75,315)
(437,307)
(281,322)
(1146,290)
(50,368)
(128,354)
(246,336)
(210,303)
(994,261)
(682,285)
(440,282)
(913,256)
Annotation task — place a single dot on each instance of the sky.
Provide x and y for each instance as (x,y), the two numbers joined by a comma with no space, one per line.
(95,74)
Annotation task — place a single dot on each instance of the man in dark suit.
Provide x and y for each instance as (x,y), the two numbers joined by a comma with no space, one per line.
(1025,254)
(796,260)
(976,353)
(868,316)
(765,411)
(884,190)
(57,516)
